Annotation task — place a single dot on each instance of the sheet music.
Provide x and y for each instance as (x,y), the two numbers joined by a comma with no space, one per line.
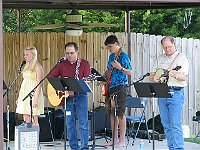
(84,85)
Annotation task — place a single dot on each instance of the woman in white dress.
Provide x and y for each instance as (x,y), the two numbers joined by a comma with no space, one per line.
(32,75)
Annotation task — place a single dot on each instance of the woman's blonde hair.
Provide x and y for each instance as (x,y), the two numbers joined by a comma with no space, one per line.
(31,65)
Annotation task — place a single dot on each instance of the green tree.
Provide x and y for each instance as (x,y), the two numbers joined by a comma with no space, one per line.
(166,22)
(10,20)
(32,18)
(155,21)
(110,17)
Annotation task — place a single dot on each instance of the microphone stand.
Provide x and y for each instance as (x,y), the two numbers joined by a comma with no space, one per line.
(127,86)
(12,83)
(94,117)
(31,93)
(8,109)
(142,78)
(114,95)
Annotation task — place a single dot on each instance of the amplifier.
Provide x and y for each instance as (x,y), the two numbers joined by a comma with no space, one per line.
(46,122)
(26,138)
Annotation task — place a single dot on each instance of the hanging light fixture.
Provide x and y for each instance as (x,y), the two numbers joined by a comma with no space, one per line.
(74,32)
(75,18)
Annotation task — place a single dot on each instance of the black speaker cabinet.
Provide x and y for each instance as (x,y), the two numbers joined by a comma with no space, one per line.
(59,123)
(12,124)
(102,120)
(47,123)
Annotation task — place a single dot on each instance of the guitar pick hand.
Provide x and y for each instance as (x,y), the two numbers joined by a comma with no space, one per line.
(116,65)
(156,78)
(173,73)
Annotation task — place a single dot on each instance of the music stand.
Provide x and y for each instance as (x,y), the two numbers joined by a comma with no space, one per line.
(68,84)
(98,77)
(152,90)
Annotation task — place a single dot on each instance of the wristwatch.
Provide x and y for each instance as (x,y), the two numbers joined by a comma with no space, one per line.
(122,69)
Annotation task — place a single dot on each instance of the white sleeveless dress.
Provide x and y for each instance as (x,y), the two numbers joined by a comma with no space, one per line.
(28,83)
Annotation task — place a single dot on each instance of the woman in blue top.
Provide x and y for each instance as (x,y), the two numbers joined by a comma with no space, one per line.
(118,67)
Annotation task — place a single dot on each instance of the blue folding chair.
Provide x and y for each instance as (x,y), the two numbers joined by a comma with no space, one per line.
(135,103)
(197,119)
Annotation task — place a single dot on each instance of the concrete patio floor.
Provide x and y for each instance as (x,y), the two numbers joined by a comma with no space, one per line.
(159,145)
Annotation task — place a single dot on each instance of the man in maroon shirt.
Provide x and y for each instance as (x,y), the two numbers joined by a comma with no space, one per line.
(77,103)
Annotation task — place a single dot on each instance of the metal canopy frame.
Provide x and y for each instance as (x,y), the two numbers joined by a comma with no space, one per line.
(126,5)
(99,4)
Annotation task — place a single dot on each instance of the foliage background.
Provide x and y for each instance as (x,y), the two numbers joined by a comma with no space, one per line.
(184,22)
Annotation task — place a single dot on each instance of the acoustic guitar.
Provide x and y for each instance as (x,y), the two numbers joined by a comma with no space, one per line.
(55,97)
(164,74)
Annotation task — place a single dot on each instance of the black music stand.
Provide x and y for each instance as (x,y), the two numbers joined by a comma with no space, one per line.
(152,90)
(98,77)
(68,84)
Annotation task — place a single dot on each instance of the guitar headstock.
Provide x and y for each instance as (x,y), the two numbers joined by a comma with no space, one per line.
(177,68)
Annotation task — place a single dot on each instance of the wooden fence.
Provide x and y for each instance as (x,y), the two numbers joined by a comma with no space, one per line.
(144,51)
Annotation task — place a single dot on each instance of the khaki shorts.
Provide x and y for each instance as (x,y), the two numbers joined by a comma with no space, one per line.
(121,100)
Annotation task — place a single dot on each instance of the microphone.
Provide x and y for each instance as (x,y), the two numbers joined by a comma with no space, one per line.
(147,74)
(22,64)
(61,60)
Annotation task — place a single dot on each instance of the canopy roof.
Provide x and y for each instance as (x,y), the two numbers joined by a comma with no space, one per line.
(100,4)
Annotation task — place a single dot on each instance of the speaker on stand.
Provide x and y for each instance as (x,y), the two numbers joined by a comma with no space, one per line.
(59,123)
(103,127)
(47,124)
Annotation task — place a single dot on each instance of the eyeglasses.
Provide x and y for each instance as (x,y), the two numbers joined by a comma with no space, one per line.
(70,53)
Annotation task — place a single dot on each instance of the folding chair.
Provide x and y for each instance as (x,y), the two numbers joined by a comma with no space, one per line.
(135,103)
(197,119)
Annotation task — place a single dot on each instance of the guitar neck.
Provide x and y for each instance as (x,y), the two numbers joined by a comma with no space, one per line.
(111,68)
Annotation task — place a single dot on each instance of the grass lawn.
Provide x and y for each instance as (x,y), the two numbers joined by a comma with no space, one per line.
(192,138)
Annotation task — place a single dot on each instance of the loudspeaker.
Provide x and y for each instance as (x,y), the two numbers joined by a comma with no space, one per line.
(46,122)
(59,123)
(102,120)
(12,124)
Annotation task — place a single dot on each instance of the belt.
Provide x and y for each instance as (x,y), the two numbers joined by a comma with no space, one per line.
(176,88)
(76,93)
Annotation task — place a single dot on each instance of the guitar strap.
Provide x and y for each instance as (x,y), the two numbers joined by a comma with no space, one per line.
(77,68)
(173,61)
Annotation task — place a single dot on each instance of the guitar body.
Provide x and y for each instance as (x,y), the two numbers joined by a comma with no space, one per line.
(55,97)
(105,88)
(164,74)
